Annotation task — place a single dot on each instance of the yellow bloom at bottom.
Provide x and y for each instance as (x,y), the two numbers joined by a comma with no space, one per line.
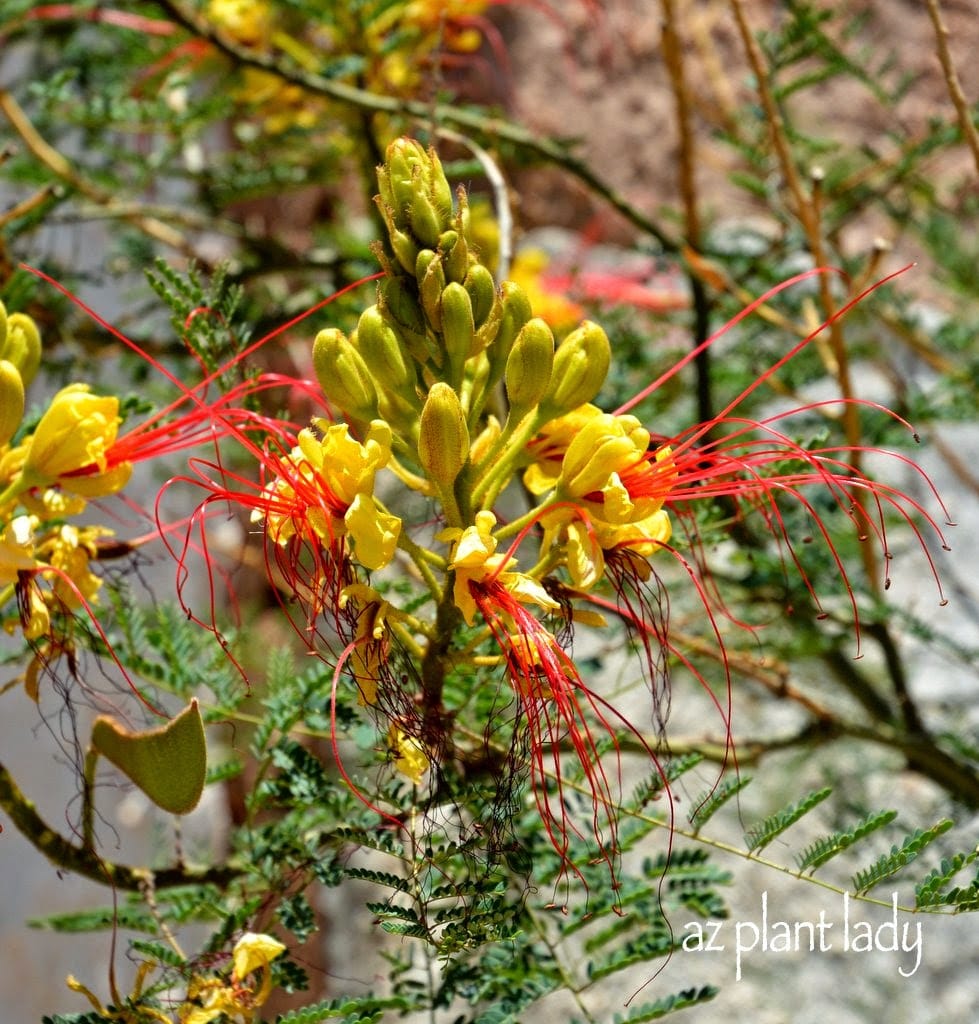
(70,550)
(409,755)
(17,548)
(474,559)
(236,1000)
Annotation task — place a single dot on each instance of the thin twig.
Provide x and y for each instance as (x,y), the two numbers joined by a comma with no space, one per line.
(60,166)
(952,81)
(673,57)
(807,209)
(472,121)
(84,861)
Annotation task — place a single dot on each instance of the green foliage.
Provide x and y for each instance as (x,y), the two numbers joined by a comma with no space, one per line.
(929,892)
(822,850)
(759,836)
(709,802)
(661,1007)
(899,857)
(348,1010)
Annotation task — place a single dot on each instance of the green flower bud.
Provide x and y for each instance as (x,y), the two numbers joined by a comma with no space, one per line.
(426,224)
(515,311)
(486,304)
(378,344)
(580,366)
(528,368)
(398,300)
(11,400)
(395,176)
(414,188)
(405,249)
(458,330)
(482,290)
(443,438)
(455,255)
(343,375)
(441,191)
(431,282)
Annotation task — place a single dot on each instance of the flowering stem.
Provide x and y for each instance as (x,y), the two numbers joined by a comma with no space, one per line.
(406,637)
(17,486)
(421,557)
(434,666)
(499,470)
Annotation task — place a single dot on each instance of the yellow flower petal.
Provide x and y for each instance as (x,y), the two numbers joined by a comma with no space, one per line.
(76,431)
(254,950)
(409,755)
(373,532)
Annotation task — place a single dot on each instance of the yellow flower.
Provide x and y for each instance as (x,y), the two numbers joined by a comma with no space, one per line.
(248,22)
(371,643)
(17,548)
(237,1001)
(409,755)
(36,619)
(474,560)
(327,484)
(254,951)
(71,443)
(70,550)
(551,443)
(609,487)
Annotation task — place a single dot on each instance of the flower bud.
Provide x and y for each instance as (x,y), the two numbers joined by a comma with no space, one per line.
(515,311)
(486,305)
(11,400)
(431,281)
(343,375)
(458,330)
(378,344)
(426,224)
(394,178)
(580,366)
(482,290)
(438,184)
(399,301)
(404,247)
(443,438)
(528,368)
(455,255)
(20,344)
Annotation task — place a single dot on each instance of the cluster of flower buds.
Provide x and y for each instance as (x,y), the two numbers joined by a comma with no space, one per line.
(431,356)
(458,390)
(47,474)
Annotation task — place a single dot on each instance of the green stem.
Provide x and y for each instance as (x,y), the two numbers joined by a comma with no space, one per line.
(516,525)
(88,799)
(17,486)
(85,861)
(434,666)
(421,558)
(510,444)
